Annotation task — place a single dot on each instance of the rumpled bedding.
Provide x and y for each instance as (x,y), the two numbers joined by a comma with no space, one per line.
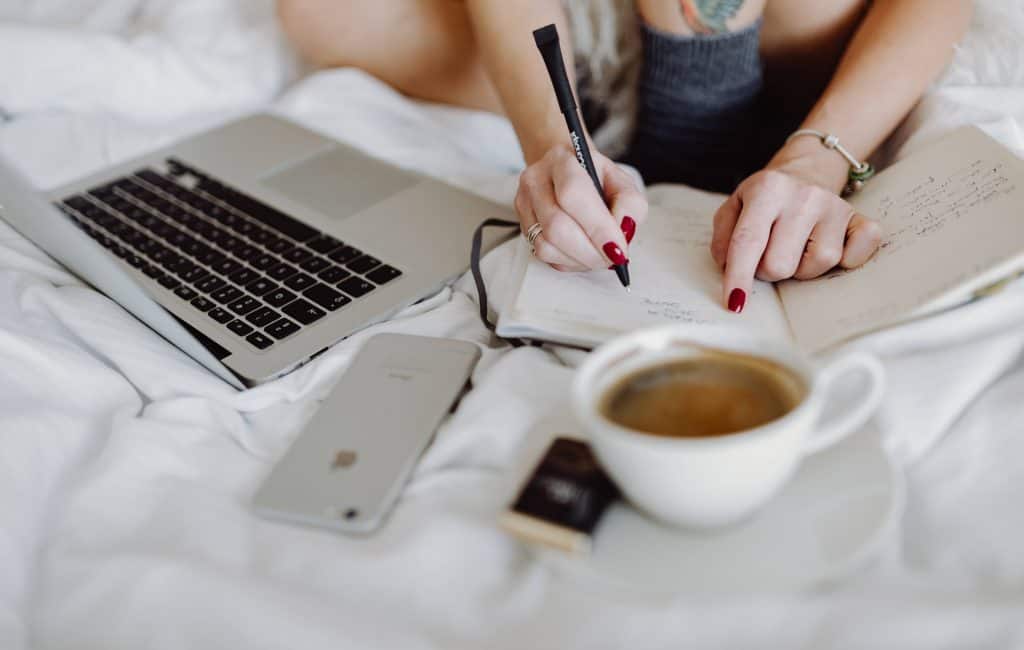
(126,470)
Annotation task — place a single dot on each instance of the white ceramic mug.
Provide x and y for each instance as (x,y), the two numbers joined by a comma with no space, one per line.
(713,481)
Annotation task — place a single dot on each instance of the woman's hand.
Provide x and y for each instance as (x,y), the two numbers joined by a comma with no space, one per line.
(579,232)
(782,223)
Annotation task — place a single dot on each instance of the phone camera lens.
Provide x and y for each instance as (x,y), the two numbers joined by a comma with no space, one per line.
(351,513)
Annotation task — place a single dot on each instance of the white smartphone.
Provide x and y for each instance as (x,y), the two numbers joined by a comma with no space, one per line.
(347,468)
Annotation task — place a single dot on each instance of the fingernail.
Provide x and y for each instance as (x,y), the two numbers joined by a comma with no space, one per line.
(614,253)
(737,299)
(628,228)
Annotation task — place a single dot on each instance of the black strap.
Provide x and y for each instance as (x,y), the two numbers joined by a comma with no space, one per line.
(474,268)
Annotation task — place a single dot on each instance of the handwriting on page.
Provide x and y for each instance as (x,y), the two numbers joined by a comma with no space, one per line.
(913,216)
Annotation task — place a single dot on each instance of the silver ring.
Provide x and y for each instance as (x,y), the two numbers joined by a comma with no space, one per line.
(532,233)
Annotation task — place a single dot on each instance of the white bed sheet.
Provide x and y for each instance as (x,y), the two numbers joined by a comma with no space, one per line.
(126,470)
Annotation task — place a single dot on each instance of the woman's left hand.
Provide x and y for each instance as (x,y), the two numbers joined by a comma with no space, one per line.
(782,223)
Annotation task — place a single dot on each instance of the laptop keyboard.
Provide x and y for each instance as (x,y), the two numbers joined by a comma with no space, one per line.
(254,270)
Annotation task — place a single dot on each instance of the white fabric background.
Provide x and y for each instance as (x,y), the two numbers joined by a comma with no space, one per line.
(126,470)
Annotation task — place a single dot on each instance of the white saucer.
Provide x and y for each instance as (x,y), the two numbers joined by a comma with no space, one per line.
(829,519)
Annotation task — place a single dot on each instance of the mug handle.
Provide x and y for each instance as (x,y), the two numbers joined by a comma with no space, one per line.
(830,429)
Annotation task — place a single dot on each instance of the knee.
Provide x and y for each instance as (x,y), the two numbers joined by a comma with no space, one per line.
(310,25)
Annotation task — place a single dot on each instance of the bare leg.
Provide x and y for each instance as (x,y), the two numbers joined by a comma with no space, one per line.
(424,48)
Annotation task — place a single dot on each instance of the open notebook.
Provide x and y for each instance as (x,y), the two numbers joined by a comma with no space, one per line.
(953,222)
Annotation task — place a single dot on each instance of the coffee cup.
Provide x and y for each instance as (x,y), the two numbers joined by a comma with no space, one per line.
(700,427)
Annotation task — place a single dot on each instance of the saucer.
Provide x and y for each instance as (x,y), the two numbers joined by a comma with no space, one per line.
(829,519)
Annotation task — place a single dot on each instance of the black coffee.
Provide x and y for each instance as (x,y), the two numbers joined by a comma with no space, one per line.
(710,395)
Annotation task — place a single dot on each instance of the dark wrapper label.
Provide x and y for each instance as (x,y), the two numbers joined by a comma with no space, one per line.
(563,500)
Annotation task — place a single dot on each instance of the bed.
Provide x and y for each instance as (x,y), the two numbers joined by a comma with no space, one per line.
(126,470)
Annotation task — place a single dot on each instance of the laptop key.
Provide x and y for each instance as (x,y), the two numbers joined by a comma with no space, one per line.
(226,295)
(345,253)
(170,282)
(383,274)
(315,264)
(299,282)
(78,202)
(282,271)
(334,274)
(363,264)
(324,244)
(279,246)
(261,235)
(260,286)
(240,327)
(259,340)
(297,255)
(202,304)
(264,261)
(210,284)
(212,257)
(247,252)
(183,266)
(279,297)
(244,305)
(226,266)
(303,311)
(327,297)
(152,271)
(194,274)
(220,315)
(356,287)
(262,317)
(268,216)
(281,328)
(244,275)
(185,293)
(231,243)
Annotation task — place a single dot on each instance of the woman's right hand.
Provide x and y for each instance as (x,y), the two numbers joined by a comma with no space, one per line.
(579,232)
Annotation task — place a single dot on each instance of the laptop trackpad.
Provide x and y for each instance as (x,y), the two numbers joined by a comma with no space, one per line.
(340,182)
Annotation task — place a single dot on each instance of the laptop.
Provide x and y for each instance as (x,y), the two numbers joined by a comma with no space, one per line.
(256,245)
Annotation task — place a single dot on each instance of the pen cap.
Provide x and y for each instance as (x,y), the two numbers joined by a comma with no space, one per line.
(550,48)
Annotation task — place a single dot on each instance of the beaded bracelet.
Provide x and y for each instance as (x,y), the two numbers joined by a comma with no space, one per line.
(859,171)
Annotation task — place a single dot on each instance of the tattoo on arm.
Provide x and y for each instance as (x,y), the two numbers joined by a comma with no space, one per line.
(709,16)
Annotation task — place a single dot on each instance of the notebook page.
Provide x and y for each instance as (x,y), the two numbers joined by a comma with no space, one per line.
(674,279)
(953,221)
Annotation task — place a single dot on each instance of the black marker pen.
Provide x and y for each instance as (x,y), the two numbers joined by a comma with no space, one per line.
(548,44)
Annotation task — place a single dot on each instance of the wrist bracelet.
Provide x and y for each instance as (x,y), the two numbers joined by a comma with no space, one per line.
(859,171)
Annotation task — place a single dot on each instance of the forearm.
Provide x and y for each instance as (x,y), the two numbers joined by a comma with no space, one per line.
(504,33)
(900,47)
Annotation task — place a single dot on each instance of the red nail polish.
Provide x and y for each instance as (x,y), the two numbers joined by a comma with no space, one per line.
(737,298)
(628,228)
(614,253)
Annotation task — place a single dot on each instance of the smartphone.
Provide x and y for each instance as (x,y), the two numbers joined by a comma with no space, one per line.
(347,468)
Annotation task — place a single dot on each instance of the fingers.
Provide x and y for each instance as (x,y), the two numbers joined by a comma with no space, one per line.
(786,245)
(625,199)
(543,249)
(747,244)
(565,233)
(576,195)
(863,237)
(824,246)
(547,252)
(777,226)
(723,224)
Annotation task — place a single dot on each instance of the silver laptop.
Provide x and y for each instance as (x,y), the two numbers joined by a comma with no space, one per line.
(254,246)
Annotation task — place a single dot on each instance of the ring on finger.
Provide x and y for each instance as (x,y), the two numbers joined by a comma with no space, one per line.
(532,233)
